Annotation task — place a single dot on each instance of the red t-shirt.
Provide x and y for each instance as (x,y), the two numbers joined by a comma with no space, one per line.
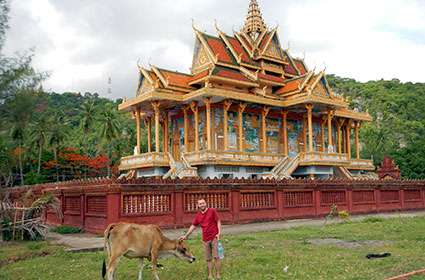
(208,222)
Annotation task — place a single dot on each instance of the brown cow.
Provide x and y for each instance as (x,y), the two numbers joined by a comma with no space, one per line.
(140,241)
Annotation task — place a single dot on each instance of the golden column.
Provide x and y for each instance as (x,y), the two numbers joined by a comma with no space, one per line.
(285,132)
(241,109)
(185,128)
(356,131)
(155,106)
(348,138)
(194,107)
(148,125)
(340,123)
(309,108)
(138,130)
(330,141)
(264,114)
(226,107)
(322,134)
(165,133)
(207,102)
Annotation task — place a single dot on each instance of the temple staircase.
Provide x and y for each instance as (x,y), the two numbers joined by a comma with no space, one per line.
(343,172)
(180,169)
(284,168)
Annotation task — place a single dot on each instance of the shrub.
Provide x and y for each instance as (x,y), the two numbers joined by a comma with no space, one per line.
(66,230)
(373,220)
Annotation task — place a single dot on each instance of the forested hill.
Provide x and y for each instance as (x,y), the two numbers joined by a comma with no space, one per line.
(53,136)
(398,129)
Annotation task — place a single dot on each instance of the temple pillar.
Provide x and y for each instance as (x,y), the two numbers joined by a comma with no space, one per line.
(207,102)
(339,136)
(155,106)
(194,107)
(264,114)
(165,133)
(138,130)
(149,125)
(285,132)
(226,107)
(348,138)
(309,108)
(356,132)
(322,134)
(330,143)
(185,128)
(241,109)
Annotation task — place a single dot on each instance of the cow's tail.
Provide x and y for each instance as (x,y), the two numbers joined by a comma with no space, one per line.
(107,248)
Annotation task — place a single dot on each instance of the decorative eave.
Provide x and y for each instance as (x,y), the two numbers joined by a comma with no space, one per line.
(145,73)
(204,43)
(159,75)
(272,33)
(243,43)
(223,37)
(350,114)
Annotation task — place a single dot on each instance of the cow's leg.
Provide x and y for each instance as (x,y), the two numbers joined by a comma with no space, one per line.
(154,260)
(112,265)
(142,265)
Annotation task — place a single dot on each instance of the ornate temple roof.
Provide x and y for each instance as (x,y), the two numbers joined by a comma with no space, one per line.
(251,60)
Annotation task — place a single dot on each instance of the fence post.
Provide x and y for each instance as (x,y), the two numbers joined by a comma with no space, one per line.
(316,192)
(113,206)
(402,205)
(235,204)
(280,203)
(82,209)
(178,208)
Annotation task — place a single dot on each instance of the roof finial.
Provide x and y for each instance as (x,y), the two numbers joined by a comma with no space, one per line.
(254,23)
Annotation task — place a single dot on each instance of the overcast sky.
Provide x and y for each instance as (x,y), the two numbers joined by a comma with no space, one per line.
(83,42)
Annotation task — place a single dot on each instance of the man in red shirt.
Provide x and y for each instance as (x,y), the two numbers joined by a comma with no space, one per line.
(210,224)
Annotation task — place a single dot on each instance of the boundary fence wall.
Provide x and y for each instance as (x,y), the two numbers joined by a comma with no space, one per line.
(93,204)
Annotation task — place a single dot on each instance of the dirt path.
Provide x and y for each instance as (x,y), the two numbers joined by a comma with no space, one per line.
(91,242)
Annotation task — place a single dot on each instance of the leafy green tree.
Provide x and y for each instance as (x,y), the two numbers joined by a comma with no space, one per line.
(57,137)
(110,130)
(39,136)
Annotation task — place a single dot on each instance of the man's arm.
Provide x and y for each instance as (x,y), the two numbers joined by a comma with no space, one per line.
(189,232)
(219,229)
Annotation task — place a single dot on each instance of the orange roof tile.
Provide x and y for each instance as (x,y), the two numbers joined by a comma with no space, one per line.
(176,79)
(230,74)
(300,66)
(218,47)
(271,78)
(200,75)
(290,69)
(264,41)
(290,86)
(236,45)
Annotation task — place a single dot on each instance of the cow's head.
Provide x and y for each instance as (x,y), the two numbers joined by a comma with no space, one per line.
(182,251)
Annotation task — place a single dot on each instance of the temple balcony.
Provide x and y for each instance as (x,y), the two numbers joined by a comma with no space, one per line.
(152,159)
(322,158)
(232,158)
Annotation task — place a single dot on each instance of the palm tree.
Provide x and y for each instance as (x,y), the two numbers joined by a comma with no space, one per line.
(87,120)
(57,136)
(110,127)
(39,134)
(18,137)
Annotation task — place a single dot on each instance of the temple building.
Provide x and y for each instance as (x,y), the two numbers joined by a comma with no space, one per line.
(247,109)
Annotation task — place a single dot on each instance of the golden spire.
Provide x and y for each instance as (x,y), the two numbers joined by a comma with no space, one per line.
(254,23)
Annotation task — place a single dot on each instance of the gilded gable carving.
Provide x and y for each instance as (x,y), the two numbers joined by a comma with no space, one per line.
(200,57)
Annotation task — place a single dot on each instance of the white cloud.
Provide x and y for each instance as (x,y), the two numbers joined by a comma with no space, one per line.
(82,43)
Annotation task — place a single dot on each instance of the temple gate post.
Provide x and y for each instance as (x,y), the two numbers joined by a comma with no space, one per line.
(226,107)
(138,130)
(194,107)
(309,108)
(285,132)
(330,140)
(264,114)
(348,137)
(185,128)
(356,131)
(155,106)
(241,109)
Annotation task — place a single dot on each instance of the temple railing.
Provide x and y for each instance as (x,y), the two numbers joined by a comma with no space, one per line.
(322,158)
(228,157)
(362,164)
(144,160)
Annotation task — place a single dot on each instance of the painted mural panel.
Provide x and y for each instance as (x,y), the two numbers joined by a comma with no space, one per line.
(252,127)
(233,131)
(272,133)
(317,136)
(294,131)
(202,131)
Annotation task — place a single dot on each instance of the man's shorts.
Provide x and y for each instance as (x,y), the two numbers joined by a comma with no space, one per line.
(211,249)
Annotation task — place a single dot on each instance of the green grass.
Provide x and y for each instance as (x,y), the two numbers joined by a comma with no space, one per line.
(66,229)
(255,256)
